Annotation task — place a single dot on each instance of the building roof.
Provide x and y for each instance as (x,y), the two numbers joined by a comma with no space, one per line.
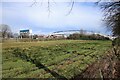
(27,30)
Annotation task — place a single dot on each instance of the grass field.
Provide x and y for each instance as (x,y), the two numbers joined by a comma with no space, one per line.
(50,59)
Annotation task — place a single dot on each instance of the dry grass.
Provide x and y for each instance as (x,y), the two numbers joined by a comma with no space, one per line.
(40,43)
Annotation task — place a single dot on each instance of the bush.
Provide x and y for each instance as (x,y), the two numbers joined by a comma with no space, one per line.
(77,36)
(116,41)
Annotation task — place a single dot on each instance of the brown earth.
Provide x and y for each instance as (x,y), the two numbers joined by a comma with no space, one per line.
(107,67)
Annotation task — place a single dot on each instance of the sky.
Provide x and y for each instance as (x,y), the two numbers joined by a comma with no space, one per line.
(84,15)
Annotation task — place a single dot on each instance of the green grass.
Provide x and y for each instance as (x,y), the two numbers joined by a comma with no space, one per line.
(66,58)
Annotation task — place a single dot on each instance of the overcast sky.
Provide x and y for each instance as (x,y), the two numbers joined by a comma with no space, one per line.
(84,15)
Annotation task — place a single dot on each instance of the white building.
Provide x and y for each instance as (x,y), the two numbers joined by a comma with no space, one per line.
(27,33)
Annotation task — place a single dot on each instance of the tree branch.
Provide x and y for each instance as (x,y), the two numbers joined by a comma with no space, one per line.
(34,2)
(72,5)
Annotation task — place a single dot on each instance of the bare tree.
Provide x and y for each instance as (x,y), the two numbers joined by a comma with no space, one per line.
(112,20)
(112,16)
(5,31)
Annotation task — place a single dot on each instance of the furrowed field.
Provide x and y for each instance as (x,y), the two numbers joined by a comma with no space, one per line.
(50,59)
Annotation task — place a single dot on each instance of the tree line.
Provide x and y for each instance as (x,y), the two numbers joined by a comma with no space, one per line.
(77,36)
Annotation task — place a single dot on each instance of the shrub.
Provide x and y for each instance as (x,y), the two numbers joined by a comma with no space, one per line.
(77,36)
(116,41)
